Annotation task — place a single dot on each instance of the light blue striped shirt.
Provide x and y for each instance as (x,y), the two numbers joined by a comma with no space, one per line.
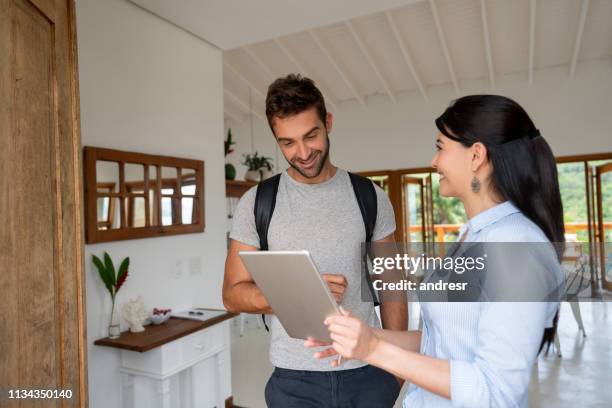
(491,346)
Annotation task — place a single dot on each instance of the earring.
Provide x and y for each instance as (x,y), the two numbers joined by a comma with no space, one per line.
(475,185)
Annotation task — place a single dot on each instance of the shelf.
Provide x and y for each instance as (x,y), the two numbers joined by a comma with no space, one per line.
(158,335)
(236,188)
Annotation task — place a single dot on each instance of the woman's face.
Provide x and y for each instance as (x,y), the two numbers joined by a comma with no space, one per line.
(453,162)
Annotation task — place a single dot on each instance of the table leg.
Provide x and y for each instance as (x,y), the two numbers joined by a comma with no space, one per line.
(126,396)
(163,393)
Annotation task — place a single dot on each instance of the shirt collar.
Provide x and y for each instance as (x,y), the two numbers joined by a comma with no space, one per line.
(488,217)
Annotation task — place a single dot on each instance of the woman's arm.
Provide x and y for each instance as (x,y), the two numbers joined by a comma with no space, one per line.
(431,374)
(497,375)
(407,340)
(353,338)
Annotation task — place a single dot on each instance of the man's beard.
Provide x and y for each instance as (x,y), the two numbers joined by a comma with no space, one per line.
(322,161)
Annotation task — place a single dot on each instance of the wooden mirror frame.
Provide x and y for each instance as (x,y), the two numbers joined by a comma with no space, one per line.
(91,155)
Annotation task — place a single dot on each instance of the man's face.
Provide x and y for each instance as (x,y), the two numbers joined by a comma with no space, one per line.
(303,140)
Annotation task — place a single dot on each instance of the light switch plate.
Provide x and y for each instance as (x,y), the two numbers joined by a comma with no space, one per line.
(195,265)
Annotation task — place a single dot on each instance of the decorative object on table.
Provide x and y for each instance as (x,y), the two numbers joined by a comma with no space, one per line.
(160,316)
(113,282)
(134,313)
(199,313)
(259,167)
(230,170)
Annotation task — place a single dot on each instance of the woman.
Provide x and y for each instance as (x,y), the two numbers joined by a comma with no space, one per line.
(492,157)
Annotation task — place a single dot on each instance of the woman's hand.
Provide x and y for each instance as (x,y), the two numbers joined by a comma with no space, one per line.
(352,338)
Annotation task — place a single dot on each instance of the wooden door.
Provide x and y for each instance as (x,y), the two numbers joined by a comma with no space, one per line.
(390,181)
(42,315)
(413,209)
(603,177)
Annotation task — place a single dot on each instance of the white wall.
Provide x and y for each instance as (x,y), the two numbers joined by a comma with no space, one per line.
(574,114)
(147,86)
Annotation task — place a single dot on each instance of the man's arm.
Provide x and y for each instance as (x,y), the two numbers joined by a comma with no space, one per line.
(394,313)
(240,294)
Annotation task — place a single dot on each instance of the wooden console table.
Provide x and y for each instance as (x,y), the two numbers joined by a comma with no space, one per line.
(181,363)
(236,188)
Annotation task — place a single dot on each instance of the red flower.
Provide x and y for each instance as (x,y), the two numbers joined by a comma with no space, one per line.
(120,281)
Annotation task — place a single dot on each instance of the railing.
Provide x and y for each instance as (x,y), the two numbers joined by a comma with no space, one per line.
(440,230)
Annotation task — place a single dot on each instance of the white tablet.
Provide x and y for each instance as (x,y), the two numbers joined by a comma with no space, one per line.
(294,289)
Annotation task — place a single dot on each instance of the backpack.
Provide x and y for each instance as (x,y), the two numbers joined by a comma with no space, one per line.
(265,201)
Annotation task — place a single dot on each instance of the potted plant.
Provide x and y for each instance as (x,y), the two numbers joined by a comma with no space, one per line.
(230,170)
(259,167)
(113,282)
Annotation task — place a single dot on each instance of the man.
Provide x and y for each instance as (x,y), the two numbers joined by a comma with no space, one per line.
(316,210)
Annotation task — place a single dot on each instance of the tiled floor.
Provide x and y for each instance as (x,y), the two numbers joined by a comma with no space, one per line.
(582,377)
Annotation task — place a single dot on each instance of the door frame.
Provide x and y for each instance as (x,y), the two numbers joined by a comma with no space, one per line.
(599,170)
(69,351)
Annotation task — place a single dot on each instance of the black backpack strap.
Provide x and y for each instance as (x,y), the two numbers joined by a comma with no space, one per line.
(365,194)
(368,203)
(265,201)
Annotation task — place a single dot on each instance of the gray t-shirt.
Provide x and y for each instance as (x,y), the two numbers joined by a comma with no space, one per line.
(324,219)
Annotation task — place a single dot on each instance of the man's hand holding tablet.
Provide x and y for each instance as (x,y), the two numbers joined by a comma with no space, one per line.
(337,285)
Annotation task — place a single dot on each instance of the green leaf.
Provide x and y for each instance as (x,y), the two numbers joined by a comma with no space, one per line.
(110,269)
(103,274)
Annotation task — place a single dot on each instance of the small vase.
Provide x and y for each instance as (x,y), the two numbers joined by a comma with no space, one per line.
(253,175)
(114,331)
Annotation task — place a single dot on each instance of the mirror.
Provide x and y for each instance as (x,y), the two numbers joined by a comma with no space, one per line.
(153,201)
(187,210)
(107,185)
(188,184)
(135,201)
(134,195)
(107,176)
(167,213)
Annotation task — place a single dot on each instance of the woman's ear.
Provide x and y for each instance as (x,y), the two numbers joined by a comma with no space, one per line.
(479,155)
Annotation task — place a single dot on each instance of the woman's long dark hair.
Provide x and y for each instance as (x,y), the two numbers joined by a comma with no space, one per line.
(524,168)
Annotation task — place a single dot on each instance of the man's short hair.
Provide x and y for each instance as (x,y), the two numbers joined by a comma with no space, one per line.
(291,95)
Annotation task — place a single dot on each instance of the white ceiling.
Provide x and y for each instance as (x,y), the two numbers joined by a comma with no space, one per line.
(234,23)
(354,49)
